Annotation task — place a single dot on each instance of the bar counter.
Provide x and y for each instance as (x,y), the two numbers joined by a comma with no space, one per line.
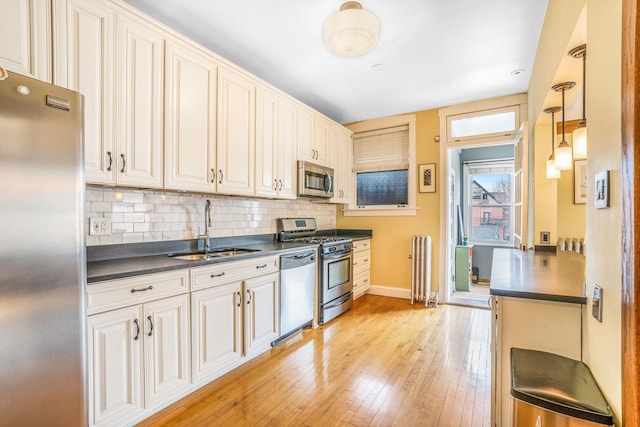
(544,276)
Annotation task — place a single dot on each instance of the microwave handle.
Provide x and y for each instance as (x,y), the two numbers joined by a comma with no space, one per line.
(328,178)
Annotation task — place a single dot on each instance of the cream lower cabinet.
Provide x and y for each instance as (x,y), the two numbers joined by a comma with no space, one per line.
(534,324)
(361,267)
(138,355)
(234,314)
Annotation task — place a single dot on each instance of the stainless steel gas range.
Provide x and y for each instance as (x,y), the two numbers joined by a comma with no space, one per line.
(335,278)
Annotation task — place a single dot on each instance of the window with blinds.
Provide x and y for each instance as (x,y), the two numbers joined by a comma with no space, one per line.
(381,166)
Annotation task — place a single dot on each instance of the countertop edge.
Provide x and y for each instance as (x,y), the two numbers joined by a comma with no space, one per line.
(538,296)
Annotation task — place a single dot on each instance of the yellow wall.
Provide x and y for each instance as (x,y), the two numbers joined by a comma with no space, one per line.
(602,341)
(602,344)
(545,190)
(391,244)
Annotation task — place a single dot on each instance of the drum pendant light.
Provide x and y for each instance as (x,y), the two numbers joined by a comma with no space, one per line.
(580,134)
(564,155)
(352,31)
(552,172)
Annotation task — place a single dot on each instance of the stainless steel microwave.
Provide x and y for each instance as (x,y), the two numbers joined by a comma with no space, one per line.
(314,180)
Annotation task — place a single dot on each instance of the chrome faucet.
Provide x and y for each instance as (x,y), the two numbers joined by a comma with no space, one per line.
(207,224)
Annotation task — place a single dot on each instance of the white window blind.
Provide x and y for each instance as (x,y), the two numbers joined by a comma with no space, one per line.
(381,149)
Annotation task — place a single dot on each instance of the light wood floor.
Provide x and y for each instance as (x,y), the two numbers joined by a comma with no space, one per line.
(383,363)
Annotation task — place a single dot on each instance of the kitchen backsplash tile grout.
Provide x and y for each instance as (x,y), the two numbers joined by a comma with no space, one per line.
(148,216)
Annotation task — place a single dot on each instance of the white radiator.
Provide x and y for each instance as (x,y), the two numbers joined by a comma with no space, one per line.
(421,269)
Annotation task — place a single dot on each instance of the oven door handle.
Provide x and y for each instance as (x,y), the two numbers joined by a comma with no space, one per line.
(339,301)
(337,255)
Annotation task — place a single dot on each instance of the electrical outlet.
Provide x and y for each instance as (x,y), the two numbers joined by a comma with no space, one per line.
(99,226)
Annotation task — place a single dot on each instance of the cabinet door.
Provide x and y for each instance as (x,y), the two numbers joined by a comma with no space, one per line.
(115,366)
(190,105)
(343,166)
(140,80)
(287,150)
(322,142)
(84,61)
(166,348)
(267,153)
(261,312)
(216,334)
(306,150)
(236,133)
(25,45)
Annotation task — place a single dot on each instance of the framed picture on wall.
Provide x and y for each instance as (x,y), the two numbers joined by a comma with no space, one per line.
(580,182)
(427,177)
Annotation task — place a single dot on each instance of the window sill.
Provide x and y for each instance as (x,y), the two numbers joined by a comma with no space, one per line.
(379,212)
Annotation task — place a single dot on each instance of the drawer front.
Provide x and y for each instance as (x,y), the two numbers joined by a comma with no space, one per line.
(361,280)
(361,262)
(226,272)
(112,294)
(361,245)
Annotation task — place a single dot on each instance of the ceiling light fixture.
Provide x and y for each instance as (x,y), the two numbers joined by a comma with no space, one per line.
(352,31)
(580,134)
(564,155)
(552,172)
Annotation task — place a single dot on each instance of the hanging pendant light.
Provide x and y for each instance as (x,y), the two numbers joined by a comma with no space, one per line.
(552,172)
(580,134)
(352,31)
(564,155)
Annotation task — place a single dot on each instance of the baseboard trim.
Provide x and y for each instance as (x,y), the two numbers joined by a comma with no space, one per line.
(387,291)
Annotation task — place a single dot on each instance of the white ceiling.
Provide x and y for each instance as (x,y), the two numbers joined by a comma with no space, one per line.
(434,53)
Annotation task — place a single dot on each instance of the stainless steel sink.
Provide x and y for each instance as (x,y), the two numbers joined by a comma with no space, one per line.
(215,253)
(193,257)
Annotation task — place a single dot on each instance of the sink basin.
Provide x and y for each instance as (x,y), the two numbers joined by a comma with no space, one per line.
(193,257)
(232,251)
(215,253)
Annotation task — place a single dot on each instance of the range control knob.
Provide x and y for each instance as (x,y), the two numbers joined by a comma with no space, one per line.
(332,249)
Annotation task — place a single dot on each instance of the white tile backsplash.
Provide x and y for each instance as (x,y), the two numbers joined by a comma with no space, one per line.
(148,216)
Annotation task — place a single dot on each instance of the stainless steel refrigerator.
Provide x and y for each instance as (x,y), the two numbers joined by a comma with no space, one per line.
(42,255)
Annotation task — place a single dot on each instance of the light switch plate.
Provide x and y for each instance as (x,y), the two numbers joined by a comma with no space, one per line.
(99,226)
(596,303)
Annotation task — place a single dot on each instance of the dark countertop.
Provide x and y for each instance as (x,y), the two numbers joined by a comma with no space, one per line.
(544,276)
(110,269)
(559,384)
(110,262)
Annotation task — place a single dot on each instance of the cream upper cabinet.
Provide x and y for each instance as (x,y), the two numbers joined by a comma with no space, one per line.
(236,133)
(288,153)
(140,96)
(190,118)
(342,155)
(25,45)
(275,145)
(313,138)
(322,142)
(83,41)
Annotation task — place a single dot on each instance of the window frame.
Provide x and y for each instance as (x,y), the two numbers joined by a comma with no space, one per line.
(352,209)
(495,136)
(467,201)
